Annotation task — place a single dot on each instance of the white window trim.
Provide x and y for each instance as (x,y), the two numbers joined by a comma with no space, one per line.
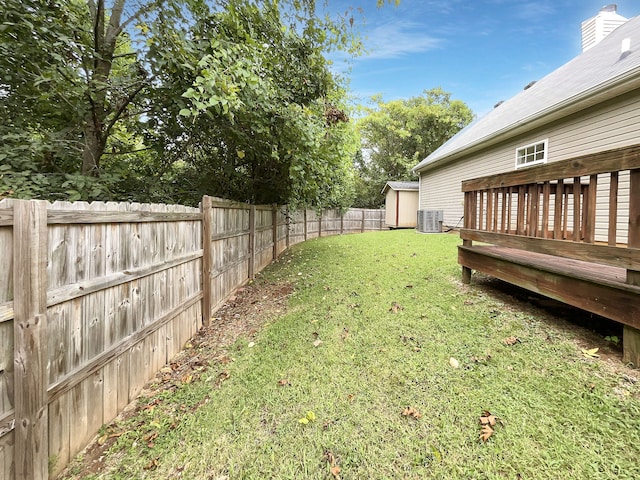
(535,162)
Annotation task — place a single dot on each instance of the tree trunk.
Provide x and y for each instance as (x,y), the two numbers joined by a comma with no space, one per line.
(94,144)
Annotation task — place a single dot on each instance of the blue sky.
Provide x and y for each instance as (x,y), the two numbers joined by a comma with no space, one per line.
(480,51)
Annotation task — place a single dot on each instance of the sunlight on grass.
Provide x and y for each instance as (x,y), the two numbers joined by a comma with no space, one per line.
(370,330)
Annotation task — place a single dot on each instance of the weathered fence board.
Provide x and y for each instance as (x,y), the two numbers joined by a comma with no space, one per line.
(111,292)
(29,339)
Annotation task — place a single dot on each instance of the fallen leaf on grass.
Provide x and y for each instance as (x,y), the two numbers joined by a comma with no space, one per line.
(317,343)
(224,359)
(436,453)
(150,438)
(486,433)
(345,333)
(283,382)
(511,340)
(454,363)
(488,421)
(334,469)
(152,465)
(411,412)
(396,307)
(484,359)
(590,353)
(309,417)
(327,424)
(102,440)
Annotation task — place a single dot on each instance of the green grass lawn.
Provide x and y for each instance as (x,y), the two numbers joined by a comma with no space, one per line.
(370,330)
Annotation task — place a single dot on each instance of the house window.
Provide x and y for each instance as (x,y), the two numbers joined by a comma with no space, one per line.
(532,154)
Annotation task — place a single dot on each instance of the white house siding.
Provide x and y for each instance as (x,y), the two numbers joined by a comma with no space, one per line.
(613,125)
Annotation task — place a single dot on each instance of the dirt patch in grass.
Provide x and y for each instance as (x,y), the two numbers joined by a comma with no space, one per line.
(241,316)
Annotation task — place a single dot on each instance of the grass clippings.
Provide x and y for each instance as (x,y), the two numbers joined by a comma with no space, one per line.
(379,397)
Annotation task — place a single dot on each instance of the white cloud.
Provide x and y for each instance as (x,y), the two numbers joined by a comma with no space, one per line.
(397,39)
(534,11)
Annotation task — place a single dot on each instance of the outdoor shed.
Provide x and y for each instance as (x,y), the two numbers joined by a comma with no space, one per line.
(401,204)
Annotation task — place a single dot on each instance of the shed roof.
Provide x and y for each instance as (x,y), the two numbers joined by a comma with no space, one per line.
(601,73)
(400,186)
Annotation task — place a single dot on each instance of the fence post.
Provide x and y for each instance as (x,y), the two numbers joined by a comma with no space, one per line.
(341,222)
(288,223)
(305,224)
(274,234)
(30,245)
(319,217)
(362,227)
(207,231)
(252,241)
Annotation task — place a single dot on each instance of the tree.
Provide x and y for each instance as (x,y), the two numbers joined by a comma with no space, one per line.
(170,99)
(397,135)
(248,104)
(69,75)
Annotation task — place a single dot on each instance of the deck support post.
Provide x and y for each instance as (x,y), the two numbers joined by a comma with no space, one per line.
(466,275)
(631,346)
(630,335)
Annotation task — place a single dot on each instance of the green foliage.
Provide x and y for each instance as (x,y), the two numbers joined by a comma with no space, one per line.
(397,135)
(247,115)
(170,100)
(37,104)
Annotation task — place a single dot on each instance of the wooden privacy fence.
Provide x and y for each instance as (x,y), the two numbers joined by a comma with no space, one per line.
(96,298)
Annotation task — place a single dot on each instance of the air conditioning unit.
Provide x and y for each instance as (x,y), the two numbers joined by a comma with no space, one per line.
(430,221)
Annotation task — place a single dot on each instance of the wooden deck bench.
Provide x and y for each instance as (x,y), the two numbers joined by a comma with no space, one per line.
(569,230)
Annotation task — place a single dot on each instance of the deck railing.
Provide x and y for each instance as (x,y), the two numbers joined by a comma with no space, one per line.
(574,208)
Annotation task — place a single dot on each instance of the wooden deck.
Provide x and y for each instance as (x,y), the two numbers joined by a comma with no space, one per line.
(592,287)
(543,229)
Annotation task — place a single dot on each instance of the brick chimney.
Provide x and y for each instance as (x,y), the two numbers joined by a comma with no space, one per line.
(598,27)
